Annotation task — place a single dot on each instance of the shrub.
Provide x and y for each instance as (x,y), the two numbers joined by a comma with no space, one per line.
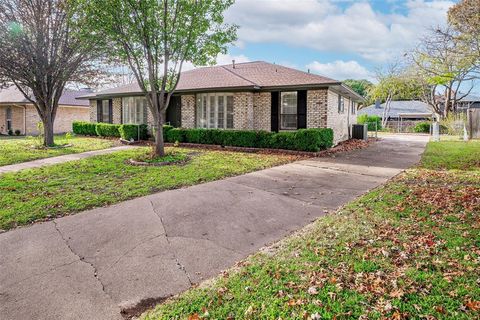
(422,127)
(107,130)
(84,128)
(133,131)
(370,120)
(313,139)
(303,139)
(17,132)
(10,132)
(175,134)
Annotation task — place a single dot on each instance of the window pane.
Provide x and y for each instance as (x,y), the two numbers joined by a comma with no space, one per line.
(105,111)
(211,117)
(229,112)
(138,110)
(221,113)
(288,110)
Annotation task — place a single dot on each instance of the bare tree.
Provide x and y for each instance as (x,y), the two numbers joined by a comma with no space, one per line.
(39,54)
(443,66)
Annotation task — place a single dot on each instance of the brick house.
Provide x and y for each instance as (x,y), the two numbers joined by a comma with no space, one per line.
(17,113)
(243,96)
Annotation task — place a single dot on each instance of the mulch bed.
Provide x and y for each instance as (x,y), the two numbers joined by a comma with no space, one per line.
(344,146)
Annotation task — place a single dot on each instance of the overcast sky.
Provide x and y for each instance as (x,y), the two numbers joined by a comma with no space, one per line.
(336,38)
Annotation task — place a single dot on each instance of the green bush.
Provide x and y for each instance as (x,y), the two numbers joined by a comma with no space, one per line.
(371,120)
(302,140)
(174,135)
(84,128)
(133,131)
(422,127)
(107,130)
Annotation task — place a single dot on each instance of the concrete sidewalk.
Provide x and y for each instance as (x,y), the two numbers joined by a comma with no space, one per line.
(94,264)
(60,159)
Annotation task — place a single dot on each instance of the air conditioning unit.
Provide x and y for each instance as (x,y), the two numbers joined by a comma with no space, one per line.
(360,131)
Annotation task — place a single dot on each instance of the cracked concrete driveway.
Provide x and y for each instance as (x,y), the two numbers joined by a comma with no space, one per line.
(97,263)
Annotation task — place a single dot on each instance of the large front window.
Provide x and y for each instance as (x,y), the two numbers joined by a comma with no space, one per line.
(288,110)
(215,110)
(134,110)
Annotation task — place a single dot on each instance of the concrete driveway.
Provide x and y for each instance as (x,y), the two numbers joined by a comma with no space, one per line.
(97,263)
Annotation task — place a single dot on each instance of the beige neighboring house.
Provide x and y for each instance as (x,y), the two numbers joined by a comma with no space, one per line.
(244,96)
(17,113)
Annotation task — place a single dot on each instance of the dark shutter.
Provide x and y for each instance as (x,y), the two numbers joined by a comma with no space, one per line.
(301,109)
(99,111)
(274,111)
(110,111)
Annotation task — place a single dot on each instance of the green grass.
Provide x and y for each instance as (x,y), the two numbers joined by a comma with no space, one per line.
(409,249)
(30,195)
(20,149)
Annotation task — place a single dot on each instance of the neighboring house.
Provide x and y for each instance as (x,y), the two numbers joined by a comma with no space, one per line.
(402,114)
(244,96)
(464,103)
(17,113)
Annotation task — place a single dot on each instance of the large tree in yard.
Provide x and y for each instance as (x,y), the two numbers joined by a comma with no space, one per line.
(155,38)
(39,54)
(444,64)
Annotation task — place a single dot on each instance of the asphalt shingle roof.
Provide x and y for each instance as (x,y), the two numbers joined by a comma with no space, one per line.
(68,98)
(397,107)
(248,75)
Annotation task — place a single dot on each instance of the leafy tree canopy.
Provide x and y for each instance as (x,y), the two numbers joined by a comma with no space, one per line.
(359,86)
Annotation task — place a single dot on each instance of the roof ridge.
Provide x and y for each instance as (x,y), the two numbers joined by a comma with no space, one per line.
(241,77)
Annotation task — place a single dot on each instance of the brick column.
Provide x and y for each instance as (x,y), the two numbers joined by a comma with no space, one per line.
(188,111)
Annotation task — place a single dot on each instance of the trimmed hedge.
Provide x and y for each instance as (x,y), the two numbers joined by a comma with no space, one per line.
(107,130)
(133,131)
(84,128)
(303,139)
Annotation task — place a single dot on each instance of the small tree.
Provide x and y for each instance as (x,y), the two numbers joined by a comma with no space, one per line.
(39,54)
(154,38)
(393,84)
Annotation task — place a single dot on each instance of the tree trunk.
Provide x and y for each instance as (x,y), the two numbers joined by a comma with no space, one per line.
(159,142)
(48,133)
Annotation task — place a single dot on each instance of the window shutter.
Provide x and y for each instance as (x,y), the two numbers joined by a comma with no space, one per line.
(99,111)
(274,111)
(302,109)
(110,111)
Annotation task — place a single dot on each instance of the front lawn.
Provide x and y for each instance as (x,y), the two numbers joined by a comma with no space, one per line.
(409,249)
(46,192)
(16,149)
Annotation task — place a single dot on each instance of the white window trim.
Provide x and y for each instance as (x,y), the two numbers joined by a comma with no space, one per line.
(281,113)
(203,113)
(126,115)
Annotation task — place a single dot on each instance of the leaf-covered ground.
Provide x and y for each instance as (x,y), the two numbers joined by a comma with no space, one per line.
(47,192)
(407,250)
(19,149)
